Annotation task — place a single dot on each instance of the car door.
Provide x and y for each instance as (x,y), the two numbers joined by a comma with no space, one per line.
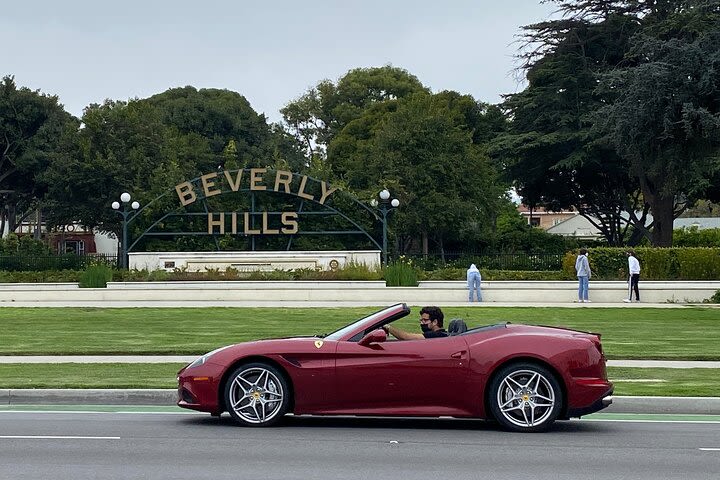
(412,377)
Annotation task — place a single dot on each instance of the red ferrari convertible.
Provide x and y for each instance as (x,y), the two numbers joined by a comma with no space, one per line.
(523,377)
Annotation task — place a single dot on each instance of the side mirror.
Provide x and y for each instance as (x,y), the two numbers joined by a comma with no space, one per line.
(376,336)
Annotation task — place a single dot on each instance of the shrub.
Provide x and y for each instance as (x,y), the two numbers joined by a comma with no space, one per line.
(694,237)
(44,276)
(96,276)
(685,263)
(401,273)
(698,263)
(715,298)
(357,271)
(497,275)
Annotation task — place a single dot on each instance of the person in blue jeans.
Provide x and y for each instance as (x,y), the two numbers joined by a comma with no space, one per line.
(473,283)
(582,267)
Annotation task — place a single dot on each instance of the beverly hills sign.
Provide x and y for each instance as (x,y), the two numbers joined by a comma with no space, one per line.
(253,180)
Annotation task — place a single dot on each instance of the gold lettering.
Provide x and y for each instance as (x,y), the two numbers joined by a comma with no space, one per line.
(185,193)
(216,223)
(233,218)
(289,220)
(325,192)
(285,178)
(301,191)
(267,229)
(254,178)
(247,226)
(208,182)
(234,185)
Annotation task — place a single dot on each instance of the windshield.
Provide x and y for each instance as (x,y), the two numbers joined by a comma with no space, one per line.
(369,320)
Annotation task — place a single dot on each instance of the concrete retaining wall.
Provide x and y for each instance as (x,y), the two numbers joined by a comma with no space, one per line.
(252,261)
(374,293)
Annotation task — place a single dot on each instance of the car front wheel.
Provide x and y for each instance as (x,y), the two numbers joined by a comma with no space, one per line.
(525,397)
(257,395)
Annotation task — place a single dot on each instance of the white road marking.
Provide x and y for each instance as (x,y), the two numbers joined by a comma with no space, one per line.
(639,380)
(631,420)
(54,437)
(710,449)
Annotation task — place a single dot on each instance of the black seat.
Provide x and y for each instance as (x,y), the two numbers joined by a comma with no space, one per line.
(457,326)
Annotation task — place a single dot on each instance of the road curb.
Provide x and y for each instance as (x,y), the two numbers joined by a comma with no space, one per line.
(46,396)
(665,405)
(41,396)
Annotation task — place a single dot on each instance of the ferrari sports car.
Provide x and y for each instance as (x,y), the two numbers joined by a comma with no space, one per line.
(523,377)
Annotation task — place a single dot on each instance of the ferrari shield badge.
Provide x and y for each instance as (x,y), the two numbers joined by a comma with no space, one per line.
(318,343)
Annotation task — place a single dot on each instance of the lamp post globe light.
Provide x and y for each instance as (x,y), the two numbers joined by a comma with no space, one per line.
(125,212)
(385,205)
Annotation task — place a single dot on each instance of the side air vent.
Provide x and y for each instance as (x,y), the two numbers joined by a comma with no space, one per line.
(292,360)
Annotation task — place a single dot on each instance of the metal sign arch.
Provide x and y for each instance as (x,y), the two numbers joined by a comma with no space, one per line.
(200,189)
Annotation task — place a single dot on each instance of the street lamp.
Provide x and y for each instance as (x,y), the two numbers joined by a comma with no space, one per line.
(125,199)
(385,206)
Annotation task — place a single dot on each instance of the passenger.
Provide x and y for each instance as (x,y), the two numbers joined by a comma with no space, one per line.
(431,324)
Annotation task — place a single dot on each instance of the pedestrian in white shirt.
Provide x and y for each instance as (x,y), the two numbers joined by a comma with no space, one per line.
(634,279)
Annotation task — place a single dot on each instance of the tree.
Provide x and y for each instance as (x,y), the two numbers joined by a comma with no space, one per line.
(221,116)
(665,118)
(147,146)
(628,89)
(321,113)
(121,147)
(550,151)
(421,148)
(30,125)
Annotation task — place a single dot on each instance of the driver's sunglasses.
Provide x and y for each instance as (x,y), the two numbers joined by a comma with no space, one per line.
(425,320)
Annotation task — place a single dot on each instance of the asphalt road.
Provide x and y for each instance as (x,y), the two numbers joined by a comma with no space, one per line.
(41,445)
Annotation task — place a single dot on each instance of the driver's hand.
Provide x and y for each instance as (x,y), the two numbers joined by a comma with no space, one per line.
(386,328)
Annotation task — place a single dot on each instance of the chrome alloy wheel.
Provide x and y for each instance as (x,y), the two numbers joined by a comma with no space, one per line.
(526,398)
(256,395)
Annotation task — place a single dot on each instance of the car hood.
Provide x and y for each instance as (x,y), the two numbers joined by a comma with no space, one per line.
(268,347)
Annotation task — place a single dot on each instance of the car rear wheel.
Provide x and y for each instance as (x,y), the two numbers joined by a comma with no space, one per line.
(257,395)
(525,397)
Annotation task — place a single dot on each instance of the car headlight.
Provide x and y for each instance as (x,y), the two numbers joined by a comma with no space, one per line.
(199,361)
(204,358)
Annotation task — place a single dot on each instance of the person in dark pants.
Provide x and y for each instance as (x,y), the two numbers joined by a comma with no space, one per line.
(431,324)
(634,279)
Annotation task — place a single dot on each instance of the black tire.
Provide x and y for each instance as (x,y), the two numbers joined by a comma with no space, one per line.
(257,395)
(525,397)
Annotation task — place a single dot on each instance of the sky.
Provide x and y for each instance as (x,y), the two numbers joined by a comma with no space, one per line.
(269,51)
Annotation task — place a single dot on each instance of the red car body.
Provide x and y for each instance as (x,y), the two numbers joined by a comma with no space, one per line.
(348,373)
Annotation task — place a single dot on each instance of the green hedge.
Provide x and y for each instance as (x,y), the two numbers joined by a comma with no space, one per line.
(606,263)
(461,274)
(685,263)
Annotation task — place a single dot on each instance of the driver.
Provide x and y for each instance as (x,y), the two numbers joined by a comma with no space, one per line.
(431,323)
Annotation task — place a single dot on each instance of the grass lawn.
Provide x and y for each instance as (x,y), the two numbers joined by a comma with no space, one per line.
(644,333)
(695,382)
(674,382)
(89,375)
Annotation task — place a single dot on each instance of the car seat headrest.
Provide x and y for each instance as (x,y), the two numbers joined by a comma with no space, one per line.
(457,326)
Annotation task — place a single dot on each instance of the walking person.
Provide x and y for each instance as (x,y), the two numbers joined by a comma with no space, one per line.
(473,283)
(582,267)
(634,278)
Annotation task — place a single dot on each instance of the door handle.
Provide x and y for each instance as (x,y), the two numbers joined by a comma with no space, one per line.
(459,354)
